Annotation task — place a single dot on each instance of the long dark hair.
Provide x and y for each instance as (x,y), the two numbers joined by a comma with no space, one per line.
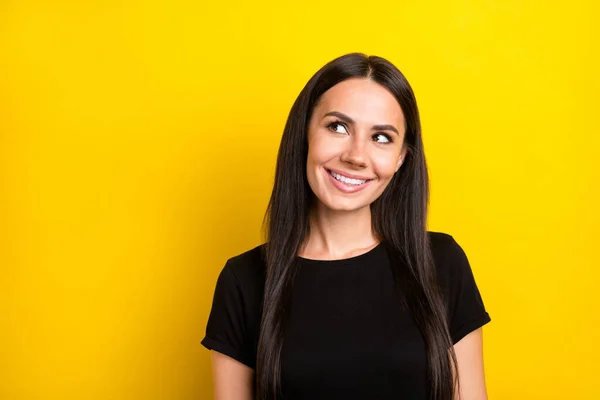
(398,218)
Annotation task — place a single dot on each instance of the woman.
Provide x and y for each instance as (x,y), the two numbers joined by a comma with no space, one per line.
(350,297)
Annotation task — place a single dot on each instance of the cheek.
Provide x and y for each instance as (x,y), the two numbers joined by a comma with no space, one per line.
(322,149)
(385,165)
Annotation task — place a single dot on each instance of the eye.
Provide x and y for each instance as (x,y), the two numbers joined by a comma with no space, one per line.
(382,138)
(338,123)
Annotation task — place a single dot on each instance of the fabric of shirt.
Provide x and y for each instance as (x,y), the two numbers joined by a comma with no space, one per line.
(348,334)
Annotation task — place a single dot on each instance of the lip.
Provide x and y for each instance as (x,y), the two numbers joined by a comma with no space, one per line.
(353,176)
(344,187)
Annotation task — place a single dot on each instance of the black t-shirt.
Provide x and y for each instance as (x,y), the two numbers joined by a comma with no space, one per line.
(348,334)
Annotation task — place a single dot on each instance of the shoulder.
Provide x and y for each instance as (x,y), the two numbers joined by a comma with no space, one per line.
(464,304)
(442,244)
(450,260)
(247,269)
(447,253)
(234,321)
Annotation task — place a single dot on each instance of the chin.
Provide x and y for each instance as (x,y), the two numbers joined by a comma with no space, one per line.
(346,206)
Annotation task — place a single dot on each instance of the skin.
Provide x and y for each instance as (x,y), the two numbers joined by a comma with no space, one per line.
(340,223)
(232,380)
(469,356)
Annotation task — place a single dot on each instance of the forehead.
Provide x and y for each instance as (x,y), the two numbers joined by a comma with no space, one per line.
(363,100)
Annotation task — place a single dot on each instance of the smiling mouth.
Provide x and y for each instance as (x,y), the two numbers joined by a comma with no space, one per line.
(346,180)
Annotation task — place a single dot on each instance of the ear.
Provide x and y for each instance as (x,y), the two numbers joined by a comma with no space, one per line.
(401,157)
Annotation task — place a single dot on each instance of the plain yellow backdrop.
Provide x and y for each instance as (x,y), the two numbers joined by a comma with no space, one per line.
(137,150)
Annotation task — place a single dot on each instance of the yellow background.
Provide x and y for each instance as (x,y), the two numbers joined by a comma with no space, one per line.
(137,149)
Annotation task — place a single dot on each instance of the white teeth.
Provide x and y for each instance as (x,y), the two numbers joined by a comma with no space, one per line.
(347,180)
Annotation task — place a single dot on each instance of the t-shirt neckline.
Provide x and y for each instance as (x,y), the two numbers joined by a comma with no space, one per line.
(357,259)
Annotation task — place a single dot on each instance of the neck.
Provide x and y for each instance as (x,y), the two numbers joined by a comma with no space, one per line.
(338,234)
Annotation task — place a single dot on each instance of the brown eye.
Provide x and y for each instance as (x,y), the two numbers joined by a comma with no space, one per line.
(382,138)
(336,123)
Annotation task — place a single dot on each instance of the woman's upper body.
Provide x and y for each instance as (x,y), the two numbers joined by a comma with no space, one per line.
(353,297)
(348,335)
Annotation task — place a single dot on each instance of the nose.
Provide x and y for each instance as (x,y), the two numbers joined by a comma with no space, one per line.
(355,153)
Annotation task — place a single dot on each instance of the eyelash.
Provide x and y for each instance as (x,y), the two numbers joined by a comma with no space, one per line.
(338,122)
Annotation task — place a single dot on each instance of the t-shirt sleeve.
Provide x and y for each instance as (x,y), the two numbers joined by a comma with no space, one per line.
(466,311)
(226,327)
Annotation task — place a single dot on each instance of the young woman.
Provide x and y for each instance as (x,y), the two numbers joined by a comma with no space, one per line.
(350,297)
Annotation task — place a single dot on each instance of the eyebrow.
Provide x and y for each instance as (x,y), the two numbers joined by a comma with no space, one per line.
(349,120)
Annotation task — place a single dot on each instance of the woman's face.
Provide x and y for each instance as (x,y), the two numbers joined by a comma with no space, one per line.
(355,144)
